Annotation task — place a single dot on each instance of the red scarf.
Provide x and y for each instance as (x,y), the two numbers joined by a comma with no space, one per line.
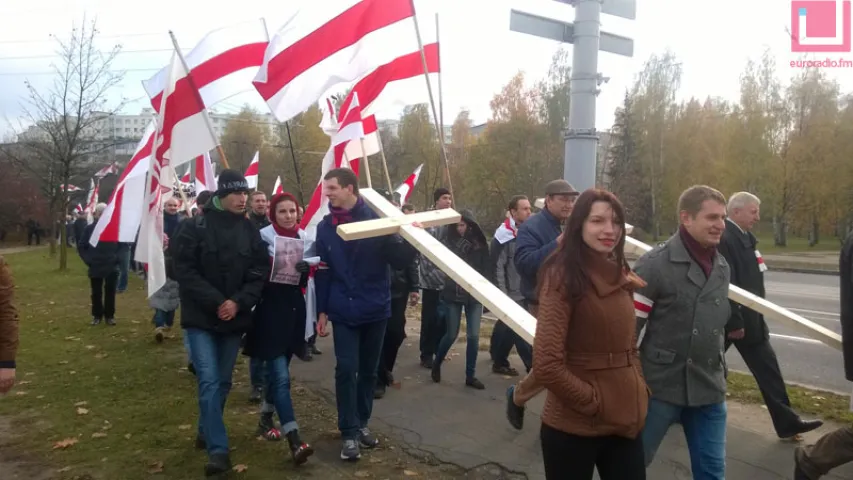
(703,256)
(281,231)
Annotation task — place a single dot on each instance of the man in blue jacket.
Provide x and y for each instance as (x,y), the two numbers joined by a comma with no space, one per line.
(354,293)
(537,238)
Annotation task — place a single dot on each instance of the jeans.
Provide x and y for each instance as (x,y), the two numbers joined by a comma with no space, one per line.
(104,296)
(576,457)
(187,346)
(278,392)
(123,266)
(432,323)
(395,334)
(213,356)
(473,312)
(162,318)
(502,341)
(704,429)
(357,350)
(258,372)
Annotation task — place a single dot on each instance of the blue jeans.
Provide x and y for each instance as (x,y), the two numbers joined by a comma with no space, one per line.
(277,392)
(357,350)
(258,371)
(473,313)
(123,266)
(187,346)
(162,318)
(213,356)
(704,429)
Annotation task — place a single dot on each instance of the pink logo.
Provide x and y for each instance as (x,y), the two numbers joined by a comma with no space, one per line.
(820,26)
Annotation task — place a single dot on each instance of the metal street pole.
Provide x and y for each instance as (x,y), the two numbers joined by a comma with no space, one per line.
(581,137)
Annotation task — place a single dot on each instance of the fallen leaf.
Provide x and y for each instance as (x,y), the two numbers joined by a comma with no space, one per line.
(81,404)
(99,435)
(184,427)
(29,373)
(64,469)
(240,468)
(127,436)
(40,397)
(63,362)
(410,473)
(135,322)
(20,393)
(82,411)
(62,444)
(72,372)
(362,474)
(24,382)
(155,467)
(90,347)
(100,356)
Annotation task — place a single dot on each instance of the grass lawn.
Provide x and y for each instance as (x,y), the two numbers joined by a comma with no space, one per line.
(796,245)
(824,405)
(109,403)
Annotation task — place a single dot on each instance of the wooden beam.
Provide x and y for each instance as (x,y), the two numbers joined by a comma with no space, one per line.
(762,306)
(503,307)
(390,225)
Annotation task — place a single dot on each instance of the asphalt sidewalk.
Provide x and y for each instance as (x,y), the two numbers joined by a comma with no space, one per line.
(450,423)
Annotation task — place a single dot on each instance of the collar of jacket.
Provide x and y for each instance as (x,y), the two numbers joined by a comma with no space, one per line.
(746,238)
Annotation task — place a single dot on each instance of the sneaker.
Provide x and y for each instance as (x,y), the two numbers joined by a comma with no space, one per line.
(350,451)
(111,322)
(379,392)
(217,464)
(299,450)
(96,321)
(158,334)
(367,439)
(514,413)
(475,384)
(266,428)
(256,395)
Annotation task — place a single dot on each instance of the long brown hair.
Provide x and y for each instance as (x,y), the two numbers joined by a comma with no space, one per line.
(565,267)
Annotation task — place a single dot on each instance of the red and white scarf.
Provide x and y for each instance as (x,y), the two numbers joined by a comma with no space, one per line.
(506,231)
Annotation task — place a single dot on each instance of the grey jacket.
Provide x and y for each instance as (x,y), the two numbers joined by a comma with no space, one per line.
(682,351)
(431,277)
(506,276)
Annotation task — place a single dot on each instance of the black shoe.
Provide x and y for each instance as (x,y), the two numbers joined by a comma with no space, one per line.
(96,321)
(299,450)
(475,384)
(514,413)
(803,426)
(379,391)
(191,368)
(256,395)
(217,464)
(504,370)
(436,373)
(200,443)
(111,322)
(427,362)
(314,350)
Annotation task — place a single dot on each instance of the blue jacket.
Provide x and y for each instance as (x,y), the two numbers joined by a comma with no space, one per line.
(536,239)
(354,281)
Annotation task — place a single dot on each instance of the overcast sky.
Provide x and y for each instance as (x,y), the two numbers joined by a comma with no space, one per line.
(713,40)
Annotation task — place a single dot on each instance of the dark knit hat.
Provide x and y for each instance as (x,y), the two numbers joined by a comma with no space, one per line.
(439,192)
(231,181)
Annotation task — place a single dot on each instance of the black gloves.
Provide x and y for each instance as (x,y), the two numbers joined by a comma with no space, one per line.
(302,266)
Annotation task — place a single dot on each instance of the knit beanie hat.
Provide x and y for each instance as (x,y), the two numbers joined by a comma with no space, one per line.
(231,181)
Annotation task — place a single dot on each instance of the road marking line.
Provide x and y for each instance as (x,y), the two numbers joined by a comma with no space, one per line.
(797,339)
(816,312)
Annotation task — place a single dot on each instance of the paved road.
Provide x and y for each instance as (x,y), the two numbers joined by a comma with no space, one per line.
(804,360)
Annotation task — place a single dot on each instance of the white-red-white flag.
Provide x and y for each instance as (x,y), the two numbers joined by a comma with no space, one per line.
(182,134)
(109,169)
(92,196)
(351,128)
(330,42)
(405,190)
(278,187)
(253,170)
(223,64)
(120,220)
(71,188)
(203,174)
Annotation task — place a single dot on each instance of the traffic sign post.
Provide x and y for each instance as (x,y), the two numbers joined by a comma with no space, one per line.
(586,36)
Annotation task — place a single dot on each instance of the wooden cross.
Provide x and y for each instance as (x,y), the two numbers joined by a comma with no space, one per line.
(395,221)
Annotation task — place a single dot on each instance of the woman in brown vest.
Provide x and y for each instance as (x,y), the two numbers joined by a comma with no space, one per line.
(585,349)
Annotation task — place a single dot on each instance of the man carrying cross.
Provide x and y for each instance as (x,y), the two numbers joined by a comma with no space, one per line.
(353,292)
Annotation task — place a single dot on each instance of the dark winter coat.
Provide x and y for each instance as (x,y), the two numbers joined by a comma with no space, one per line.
(353,281)
(217,257)
(406,280)
(102,260)
(473,248)
(739,247)
(537,238)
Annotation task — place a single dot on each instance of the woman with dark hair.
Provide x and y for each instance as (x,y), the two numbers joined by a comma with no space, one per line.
(585,349)
(278,330)
(469,243)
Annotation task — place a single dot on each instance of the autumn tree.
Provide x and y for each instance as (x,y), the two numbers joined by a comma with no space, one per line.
(302,167)
(418,145)
(69,122)
(245,133)
(625,168)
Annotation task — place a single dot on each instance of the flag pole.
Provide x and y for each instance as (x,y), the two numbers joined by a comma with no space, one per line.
(440,94)
(366,164)
(204,113)
(384,162)
(295,165)
(439,129)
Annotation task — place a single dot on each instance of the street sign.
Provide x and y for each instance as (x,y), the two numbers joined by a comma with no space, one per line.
(560,31)
(617,8)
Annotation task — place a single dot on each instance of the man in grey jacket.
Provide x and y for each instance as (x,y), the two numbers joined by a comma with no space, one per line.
(684,310)
(432,281)
(509,281)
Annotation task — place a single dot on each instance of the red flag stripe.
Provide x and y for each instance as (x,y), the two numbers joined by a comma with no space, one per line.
(642,306)
(253,169)
(182,103)
(340,32)
(111,231)
(224,64)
